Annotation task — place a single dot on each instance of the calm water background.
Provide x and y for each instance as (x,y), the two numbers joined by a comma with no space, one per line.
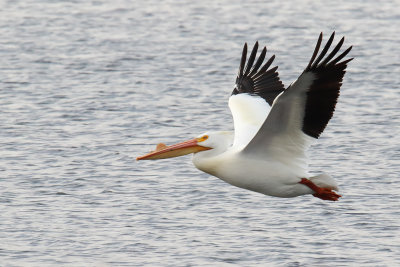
(85,87)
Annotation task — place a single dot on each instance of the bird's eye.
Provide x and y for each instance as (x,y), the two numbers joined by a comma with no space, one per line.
(203,138)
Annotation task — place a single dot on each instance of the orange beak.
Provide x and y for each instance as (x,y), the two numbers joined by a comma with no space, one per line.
(163,152)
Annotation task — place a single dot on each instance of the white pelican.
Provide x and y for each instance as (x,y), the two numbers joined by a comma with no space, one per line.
(273,127)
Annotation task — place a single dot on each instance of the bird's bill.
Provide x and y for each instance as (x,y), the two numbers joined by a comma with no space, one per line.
(163,152)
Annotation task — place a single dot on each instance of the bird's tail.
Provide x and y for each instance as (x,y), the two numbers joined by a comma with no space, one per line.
(325,180)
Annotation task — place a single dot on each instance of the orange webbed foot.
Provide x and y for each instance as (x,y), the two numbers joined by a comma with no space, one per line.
(321,192)
(327,194)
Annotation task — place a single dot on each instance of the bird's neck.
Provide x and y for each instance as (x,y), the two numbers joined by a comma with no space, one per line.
(208,161)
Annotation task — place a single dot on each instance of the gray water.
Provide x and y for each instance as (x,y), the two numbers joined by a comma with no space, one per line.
(86,87)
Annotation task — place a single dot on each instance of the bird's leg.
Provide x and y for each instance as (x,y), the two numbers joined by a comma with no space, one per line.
(320,192)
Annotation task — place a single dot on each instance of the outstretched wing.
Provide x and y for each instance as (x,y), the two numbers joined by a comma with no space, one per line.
(300,114)
(255,91)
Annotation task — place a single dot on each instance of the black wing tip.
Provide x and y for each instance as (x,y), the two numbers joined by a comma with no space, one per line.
(250,75)
(316,49)
(243,60)
(323,94)
(344,62)
(328,61)
(251,59)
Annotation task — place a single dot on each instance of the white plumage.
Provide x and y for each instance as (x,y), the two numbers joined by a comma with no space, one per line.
(249,113)
(274,127)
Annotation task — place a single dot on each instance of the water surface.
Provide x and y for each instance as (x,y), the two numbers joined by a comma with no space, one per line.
(87,87)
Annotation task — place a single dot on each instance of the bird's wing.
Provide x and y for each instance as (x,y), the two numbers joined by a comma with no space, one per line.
(254,93)
(300,114)
(262,82)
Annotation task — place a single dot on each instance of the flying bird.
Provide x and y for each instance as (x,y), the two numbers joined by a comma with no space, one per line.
(274,127)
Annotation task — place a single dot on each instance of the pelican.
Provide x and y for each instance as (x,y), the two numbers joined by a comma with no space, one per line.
(273,127)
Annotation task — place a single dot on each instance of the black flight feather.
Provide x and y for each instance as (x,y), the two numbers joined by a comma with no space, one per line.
(264,83)
(324,91)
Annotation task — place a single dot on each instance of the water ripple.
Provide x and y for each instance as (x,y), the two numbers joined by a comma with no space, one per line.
(87,87)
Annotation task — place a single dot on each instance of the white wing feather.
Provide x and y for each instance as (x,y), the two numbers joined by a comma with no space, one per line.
(281,137)
(249,113)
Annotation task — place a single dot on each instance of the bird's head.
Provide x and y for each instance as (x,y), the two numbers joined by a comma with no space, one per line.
(216,141)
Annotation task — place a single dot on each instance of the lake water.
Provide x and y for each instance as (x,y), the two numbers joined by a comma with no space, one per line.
(86,87)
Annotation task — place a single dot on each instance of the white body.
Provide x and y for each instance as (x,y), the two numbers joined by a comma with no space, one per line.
(265,176)
(267,152)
